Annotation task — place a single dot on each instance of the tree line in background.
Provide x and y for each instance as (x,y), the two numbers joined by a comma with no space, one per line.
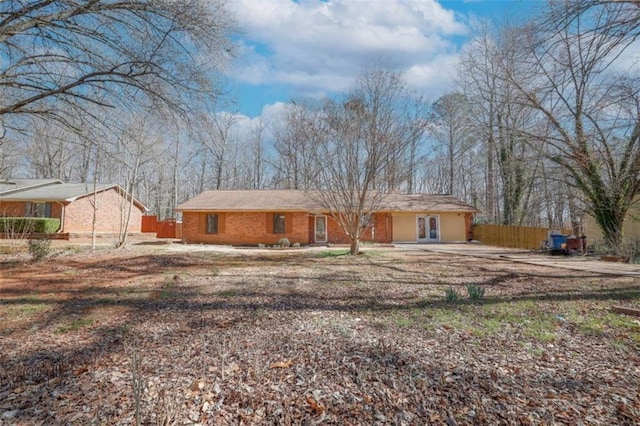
(543,126)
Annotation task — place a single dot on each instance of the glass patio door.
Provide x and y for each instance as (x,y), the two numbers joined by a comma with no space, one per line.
(428,229)
(320,234)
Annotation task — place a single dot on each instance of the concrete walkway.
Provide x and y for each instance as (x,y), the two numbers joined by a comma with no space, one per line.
(576,263)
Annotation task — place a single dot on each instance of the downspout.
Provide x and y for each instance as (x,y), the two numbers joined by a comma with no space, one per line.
(373,231)
(61,229)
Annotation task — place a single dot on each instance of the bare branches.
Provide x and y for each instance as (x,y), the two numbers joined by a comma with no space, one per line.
(70,56)
(578,82)
(366,134)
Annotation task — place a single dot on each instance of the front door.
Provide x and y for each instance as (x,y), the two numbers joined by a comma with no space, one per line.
(320,229)
(428,229)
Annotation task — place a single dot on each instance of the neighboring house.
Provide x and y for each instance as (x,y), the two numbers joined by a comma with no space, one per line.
(72,203)
(265,216)
(630,229)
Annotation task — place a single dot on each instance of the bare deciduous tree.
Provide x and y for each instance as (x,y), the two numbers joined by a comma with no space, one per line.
(64,58)
(295,139)
(509,128)
(479,78)
(451,126)
(364,133)
(591,104)
(215,133)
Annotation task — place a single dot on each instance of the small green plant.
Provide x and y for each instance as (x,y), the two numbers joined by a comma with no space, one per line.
(39,248)
(74,325)
(475,292)
(452,295)
(284,242)
(295,245)
(333,253)
(405,322)
(228,293)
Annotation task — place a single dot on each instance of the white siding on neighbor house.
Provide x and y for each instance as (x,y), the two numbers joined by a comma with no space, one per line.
(630,230)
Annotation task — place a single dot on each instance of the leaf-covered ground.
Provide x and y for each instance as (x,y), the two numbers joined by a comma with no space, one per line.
(310,337)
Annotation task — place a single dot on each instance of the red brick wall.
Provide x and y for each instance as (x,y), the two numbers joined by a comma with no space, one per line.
(56,210)
(255,228)
(244,228)
(12,208)
(18,209)
(78,215)
(381,232)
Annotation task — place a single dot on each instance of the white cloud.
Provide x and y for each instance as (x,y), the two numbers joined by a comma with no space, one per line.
(317,46)
(244,126)
(629,60)
(435,77)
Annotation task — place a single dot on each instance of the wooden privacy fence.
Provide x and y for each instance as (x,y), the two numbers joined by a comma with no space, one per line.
(168,228)
(524,237)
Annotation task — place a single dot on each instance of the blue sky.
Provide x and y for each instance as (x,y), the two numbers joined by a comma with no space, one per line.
(313,48)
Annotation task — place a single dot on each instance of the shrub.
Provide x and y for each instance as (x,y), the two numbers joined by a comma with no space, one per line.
(39,248)
(452,295)
(295,245)
(475,292)
(284,242)
(23,225)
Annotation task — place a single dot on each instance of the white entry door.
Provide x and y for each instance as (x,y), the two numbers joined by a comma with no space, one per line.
(320,228)
(428,228)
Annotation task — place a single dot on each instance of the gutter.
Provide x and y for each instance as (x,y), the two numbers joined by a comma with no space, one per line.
(62,211)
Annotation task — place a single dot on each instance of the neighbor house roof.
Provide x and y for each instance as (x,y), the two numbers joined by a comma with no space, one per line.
(296,200)
(13,185)
(53,190)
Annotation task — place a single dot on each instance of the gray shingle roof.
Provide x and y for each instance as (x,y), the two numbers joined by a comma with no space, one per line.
(54,192)
(295,200)
(11,185)
(51,190)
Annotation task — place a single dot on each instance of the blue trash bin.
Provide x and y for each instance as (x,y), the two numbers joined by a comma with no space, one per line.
(558,242)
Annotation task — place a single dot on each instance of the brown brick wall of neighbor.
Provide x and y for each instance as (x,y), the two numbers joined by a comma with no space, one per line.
(56,210)
(240,228)
(251,228)
(78,215)
(18,209)
(12,208)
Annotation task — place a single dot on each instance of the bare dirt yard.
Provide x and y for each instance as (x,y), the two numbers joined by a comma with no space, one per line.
(179,335)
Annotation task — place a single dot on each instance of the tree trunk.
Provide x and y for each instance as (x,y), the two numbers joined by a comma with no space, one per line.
(355,246)
(490,193)
(611,221)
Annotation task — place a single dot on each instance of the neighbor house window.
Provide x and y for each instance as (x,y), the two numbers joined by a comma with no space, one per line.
(212,223)
(278,223)
(38,209)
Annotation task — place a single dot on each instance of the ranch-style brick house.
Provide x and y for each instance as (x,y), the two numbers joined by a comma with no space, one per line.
(250,217)
(72,203)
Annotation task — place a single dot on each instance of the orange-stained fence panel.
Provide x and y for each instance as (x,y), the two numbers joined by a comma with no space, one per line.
(166,229)
(149,223)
